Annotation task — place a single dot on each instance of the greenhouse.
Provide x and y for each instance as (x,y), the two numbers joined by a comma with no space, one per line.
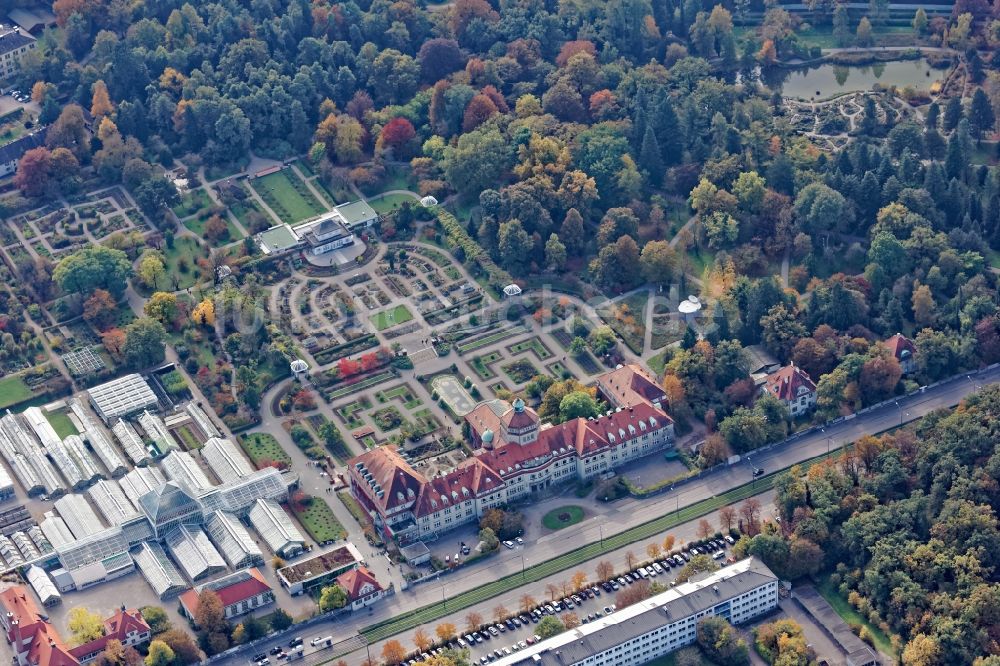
(192,550)
(159,571)
(80,517)
(140,481)
(234,541)
(130,441)
(181,467)
(225,460)
(277,528)
(121,397)
(111,501)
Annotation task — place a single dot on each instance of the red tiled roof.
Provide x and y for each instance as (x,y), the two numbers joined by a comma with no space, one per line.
(786,382)
(519,416)
(116,627)
(398,480)
(898,344)
(48,649)
(484,417)
(352,581)
(630,385)
(241,590)
(21,605)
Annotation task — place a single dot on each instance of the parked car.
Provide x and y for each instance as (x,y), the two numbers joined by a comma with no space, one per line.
(276,649)
(730,540)
(494,631)
(758,471)
(608,610)
(520,541)
(718,555)
(596,590)
(509,544)
(258,657)
(295,642)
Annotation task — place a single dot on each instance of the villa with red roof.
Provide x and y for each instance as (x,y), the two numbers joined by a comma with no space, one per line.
(241,593)
(792,386)
(516,456)
(361,587)
(905,352)
(35,642)
(126,625)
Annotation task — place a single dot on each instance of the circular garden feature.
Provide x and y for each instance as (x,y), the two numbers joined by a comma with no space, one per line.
(561,517)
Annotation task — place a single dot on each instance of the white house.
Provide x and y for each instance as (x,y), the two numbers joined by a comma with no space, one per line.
(792,386)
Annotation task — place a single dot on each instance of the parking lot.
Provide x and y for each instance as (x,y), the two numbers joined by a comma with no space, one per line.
(500,638)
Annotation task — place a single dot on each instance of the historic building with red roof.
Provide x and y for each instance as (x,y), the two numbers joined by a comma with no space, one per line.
(240,593)
(35,642)
(361,587)
(126,625)
(904,350)
(792,386)
(516,456)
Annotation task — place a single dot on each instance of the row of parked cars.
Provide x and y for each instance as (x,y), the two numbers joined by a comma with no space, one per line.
(716,548)
(20,96)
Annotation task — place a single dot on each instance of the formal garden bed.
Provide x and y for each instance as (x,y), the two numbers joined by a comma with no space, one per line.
(532,344)
(317,518)
(481,364)
(563,516)
(389,318)
(403,393)
(520,371)
(287,196)
(264,450)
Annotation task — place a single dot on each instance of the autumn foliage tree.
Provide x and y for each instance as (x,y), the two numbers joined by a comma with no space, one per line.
(480,109)
(100,309)
(397,133)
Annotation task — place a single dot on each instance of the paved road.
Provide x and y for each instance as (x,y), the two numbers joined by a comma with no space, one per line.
(631,512)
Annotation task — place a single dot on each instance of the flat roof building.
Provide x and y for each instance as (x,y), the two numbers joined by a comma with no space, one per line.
(98,546)
(79,516)
(660,624)
(192,550)
(122,397)
(277,528)
(181,467)
(357,214)
(225,460)
(278,240)
(234,541)
(320,569)
(158,570)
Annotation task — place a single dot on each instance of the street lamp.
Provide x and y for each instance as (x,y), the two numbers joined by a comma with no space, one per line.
(900,412)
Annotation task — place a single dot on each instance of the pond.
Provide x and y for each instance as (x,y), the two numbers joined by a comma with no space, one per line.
(828,80)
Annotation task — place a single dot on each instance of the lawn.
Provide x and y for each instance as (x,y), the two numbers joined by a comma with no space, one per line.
(658,363)
(698,261)
(263,448)
(390,202)
(13,390)
(563,516)
(197,225)
(61,424)
(627,318)
(849,615)
(287,196)
(388,318)
(186,272)
(318,519)
(533,344)
(191,202)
